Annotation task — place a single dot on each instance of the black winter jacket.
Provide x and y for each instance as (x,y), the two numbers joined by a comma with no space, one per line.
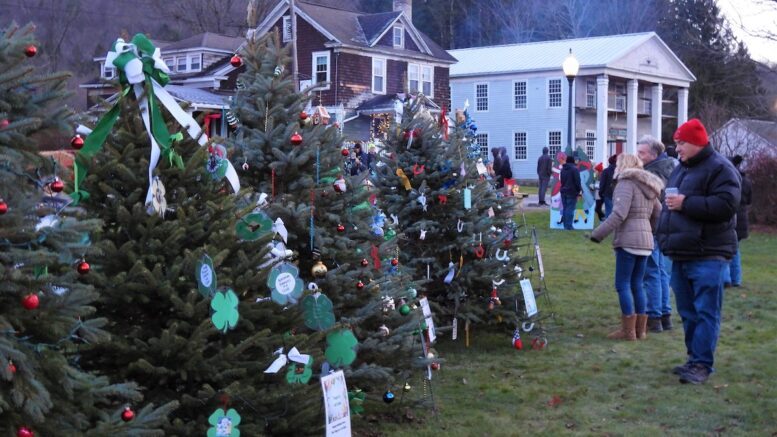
(570,180)
(607,182)
(704,228)
(743,222)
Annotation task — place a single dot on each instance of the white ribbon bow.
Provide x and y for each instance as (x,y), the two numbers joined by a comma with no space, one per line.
(283,359)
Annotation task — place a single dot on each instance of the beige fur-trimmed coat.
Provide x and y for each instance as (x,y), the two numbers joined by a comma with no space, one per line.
(635,212)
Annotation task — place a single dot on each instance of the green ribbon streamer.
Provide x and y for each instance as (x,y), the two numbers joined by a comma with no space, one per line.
(95,140)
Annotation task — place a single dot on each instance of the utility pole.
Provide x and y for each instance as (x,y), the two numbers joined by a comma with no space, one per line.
(294,63)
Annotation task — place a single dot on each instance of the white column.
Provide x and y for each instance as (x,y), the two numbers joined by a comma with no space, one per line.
(657,95)
(631,116)
(602,89)
(682,106)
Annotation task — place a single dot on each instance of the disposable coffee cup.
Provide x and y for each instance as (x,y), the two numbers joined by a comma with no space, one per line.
(672,191)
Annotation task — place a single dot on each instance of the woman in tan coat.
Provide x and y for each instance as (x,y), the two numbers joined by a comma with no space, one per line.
(636,208)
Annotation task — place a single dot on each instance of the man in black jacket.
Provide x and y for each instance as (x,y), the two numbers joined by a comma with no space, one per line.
(571,187)
(607,185)
(696,231)
(544,172)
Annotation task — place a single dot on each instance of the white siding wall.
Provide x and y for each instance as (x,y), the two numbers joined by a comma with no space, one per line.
(501,120)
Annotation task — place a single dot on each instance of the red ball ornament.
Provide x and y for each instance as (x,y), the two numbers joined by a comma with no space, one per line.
(360,285)
(236,61)
(57,186)
(518,344)
(303,115)
(31,51)
(296,139)
(11,367)
(340,228)
(127,414)
(345,152)
(435,366)
(4,123)
(83,267)
(394,262)
(31,301)
(77,142)
(365,263)
(3,207)
(24,432)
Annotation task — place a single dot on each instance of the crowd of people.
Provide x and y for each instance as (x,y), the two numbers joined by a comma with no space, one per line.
(676,223)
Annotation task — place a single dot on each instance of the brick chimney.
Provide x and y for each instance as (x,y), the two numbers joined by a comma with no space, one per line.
(404,6)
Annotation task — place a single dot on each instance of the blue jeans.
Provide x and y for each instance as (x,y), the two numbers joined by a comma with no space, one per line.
(629,275)
(657,284)
(568,213)
(607,206)
(698,290)
(733,274)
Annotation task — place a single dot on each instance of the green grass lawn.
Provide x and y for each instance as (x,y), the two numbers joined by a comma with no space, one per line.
(601,386)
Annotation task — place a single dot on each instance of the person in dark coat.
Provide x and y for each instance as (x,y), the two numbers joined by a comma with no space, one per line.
(733,276)
(496,166)
(544,172)
(505,169)
(697,231)
(607,185)
(360,161)
(571,187)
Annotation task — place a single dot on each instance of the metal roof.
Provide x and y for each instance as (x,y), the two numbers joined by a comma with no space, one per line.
(545,55)
(197,96)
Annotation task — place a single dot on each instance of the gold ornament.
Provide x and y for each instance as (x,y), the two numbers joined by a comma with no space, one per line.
(318,270)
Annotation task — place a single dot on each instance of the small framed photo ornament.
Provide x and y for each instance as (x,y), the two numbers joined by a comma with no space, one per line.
(336,409)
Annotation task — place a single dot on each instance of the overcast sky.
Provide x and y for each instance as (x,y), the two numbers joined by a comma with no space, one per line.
(748,18)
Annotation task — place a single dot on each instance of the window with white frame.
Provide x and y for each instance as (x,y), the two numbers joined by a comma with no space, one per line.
(519,94)
(481,97)
(590,144)
(481,140)
(519,145)
(427,79)
(170,62)
(413,77)
(286,28)
(180,64)
(399,37)
(554,142)
(590,94)
(378,75)
(620,97)
(321,67)
(554,93)
(195,62)
(108,72)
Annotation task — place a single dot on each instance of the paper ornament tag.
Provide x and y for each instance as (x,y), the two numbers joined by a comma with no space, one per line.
(318,309)
(481,167)
(467,198)
(285,284)
(337,409)
(280,228)
(206,276)
(225,313)
(455,329)
(341,347)
(528,297)
(224,423)
(490,211)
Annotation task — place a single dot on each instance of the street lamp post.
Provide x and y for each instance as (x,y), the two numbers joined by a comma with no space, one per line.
(571,67)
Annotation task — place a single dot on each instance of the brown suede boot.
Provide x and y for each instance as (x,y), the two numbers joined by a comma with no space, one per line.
(641,326)
(627,330)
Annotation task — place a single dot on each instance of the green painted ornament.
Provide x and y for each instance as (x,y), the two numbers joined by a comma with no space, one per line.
(285,283)
(318,310)
(404,309)
(206,276)
(355,400)
(390,234)
(299,374)
(225,314)
(253,226)
(224,423)
(341,347)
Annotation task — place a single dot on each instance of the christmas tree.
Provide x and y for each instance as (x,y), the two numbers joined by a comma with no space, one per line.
(294,156)
(46,309)
(458,228)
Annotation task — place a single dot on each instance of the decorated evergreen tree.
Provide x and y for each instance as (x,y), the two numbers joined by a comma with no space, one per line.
(46,309)
(295,157)
(457,226)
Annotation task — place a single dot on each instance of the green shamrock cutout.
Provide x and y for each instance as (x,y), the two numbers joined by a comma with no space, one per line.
(341,347)
(318,312)
(225,315)
(297,374)
(355,401)
(253,226)
(224,423)
(206,276)
(285,284)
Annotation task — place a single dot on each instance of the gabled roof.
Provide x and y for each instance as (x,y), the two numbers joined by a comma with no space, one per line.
(197,96)
(354,29)
(764,129)
(207,40)
(548,55)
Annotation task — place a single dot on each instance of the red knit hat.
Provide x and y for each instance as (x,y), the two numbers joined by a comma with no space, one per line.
(693,132)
